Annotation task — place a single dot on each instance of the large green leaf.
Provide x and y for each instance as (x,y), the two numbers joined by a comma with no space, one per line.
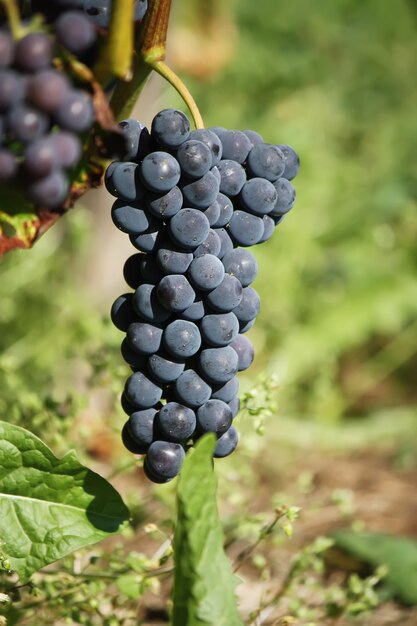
(397,553)
(49,507)
(204,586)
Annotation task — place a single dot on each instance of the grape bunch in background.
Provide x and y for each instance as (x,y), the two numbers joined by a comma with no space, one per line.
(191,203)
(78,24)
(43,117)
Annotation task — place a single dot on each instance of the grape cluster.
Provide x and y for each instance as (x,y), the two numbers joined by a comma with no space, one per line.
(77,23)
(42,115)
(191,203)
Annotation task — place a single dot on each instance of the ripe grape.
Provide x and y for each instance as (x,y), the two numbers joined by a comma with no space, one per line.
(141,427)
(49,191)
(191,389)
(176,422)
(146,304)
(232,177)
(194,158)
(75,32)
(211,140)
(236,145)
(164,367)
(292,161)
(33,52)
(141,392)
(206,272)
(227,443)
(189,228)
(164,205)
(122,313)
(164,460)
(245,229)
(201,193)
(227,295)
(218,365)
(170,128)
(182,339)
(47,90)
(173,261)
(144,337)
(244,350)
(130,218)
(211,245)
(76,113)
(175,293)
(219,329)
(258,196)
(160,172)
(214,416)
(242,264)
(266,161)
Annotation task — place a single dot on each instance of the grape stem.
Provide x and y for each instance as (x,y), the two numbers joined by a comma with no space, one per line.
(166,72)
(13,18)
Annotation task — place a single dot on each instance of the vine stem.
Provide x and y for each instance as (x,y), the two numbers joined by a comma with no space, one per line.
(166,72)
(13,17)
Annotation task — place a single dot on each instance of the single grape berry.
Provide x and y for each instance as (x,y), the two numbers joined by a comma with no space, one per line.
(244,350)
(75,32)
(211,245)
(242,264)
(227,391)
(227,443)
(122,313)
(227,296)
(164,460)
(170,128)
(266,161)
(144,337)
(176,422)
(191,389)
(232,177)
(160,171)
(33,52)
(211,140)
(214,416)
(206,272)
(189,228)
(130,218)
(146,304)
(292,161)
(165,368)
(47,90)
(175,293)
(219,329)
(218,365)
(141,392)
(236,145)
(182,339)
(245,229)
(50,191)
(141,427)
(195,158)
(164,205)
(76,113)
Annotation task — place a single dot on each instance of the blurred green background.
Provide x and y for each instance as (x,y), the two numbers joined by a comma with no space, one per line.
(338,330)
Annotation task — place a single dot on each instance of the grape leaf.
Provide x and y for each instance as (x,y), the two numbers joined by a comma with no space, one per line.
(49,507)
(397,553)
(204,585)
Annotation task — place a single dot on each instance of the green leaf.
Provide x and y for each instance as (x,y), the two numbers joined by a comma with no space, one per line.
(49,507)
(204,585)
(398,554)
